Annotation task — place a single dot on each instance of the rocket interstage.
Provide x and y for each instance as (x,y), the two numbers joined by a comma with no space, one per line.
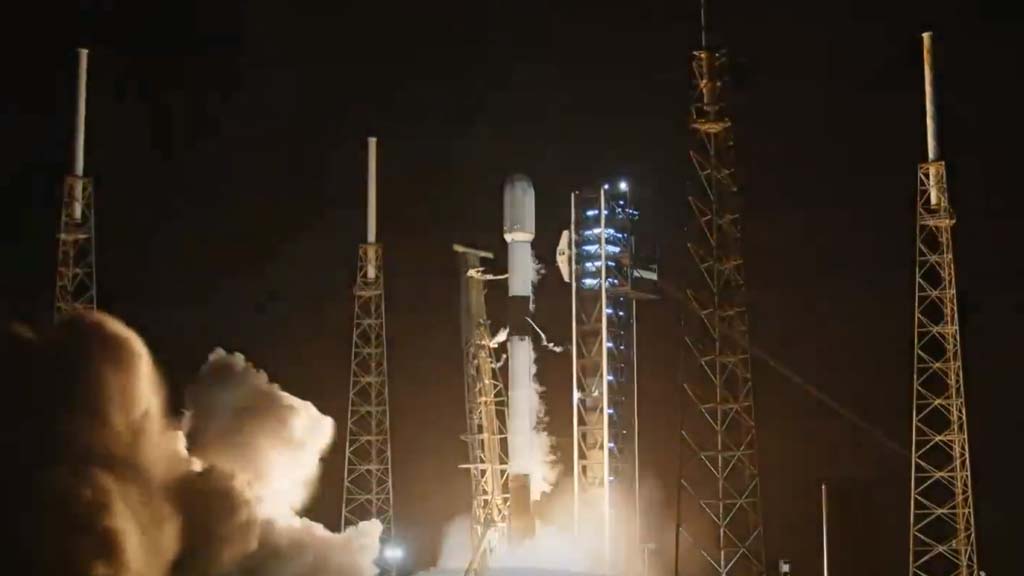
(519,228)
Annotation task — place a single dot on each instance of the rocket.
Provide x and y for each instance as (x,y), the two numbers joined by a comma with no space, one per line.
(519,229)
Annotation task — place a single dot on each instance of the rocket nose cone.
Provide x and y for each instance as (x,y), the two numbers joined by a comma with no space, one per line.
(519,209)
(518,185)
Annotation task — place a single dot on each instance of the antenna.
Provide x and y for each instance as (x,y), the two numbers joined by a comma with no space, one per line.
(371,206)
(79,160)
(931,114)
(371,190)
(705,31)
(824,529)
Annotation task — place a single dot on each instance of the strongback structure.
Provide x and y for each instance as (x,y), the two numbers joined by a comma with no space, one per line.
(719,514)
(367,491)
(605,480)
(76,267)
(486,417)
(941,506)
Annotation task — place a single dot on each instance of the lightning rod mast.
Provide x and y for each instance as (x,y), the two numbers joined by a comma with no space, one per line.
(719,488)
(367,490)
(76,265)
(941,506)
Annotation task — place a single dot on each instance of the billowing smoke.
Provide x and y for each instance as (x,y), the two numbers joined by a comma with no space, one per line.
(554,547)
(114,491)
(239,420)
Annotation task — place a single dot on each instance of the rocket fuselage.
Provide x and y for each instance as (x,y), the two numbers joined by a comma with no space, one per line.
(519,228)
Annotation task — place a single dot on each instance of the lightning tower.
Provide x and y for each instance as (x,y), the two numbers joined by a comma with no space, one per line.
(486,417)
(76,267)
(602,273)
(719,511)
(941,507)
(367,492)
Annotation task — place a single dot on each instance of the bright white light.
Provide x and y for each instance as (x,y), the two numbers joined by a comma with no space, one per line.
(393,553)
(623,185)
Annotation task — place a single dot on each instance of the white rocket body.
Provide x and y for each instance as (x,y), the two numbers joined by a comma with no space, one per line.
(519,229)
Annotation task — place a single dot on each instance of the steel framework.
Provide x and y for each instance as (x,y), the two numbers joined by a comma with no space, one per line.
(486,417)
(76,267)
(719,510)
(942,541)
(604,371)
(367,492)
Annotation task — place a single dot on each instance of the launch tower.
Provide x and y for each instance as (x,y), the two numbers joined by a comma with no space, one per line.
(719,511)
(486,417)
(605,479)
(367,492)
(76,267)
(941,506)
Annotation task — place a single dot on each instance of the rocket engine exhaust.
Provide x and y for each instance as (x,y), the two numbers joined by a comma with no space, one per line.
(519,229)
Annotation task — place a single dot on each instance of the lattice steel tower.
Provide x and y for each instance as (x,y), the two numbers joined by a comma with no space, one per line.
(486,417)
(719,510)
(367,492)
(76,266)
(941,507)
(604,294)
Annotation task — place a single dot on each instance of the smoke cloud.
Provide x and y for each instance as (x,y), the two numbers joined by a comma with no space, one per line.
(554,547)
(239,421)
(115,489)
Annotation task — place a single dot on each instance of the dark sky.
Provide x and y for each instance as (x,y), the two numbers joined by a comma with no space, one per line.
(226,141)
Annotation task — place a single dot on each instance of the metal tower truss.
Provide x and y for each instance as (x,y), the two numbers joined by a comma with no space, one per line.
(486,417)
(604,372)
(941,507)
(367,492)
(76,265)
(719,492)
(76,270)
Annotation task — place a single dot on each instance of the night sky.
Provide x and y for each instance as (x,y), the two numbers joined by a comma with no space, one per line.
(227,141)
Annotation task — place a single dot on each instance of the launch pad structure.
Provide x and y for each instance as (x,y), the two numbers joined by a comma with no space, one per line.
(76,264)
(486,417)
(605,455)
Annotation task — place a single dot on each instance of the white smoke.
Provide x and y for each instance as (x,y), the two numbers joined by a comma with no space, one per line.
(119,496)
(554,547)
(272,441)
(542,463)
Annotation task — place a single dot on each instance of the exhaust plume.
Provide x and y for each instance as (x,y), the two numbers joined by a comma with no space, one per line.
(112,489)
(240,421)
